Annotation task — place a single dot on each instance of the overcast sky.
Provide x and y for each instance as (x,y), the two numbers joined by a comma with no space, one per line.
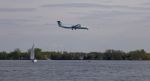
(113,24)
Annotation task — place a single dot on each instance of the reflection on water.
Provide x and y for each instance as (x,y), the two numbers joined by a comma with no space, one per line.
(74,70)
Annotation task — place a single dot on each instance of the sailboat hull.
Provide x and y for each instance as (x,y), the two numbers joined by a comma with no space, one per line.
(34,61)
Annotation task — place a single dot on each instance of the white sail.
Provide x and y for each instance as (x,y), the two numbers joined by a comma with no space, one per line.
(32,54)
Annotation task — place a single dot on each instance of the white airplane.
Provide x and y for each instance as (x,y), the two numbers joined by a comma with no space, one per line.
(78,26)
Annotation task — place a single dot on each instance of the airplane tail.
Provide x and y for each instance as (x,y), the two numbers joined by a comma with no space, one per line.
(59,23)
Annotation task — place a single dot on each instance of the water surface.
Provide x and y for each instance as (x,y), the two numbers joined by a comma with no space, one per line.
(74,70)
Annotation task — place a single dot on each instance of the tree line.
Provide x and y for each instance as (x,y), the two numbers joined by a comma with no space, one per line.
(59,55)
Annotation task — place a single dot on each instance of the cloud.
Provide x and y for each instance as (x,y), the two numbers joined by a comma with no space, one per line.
(17,9)
(72,5)
(113,14)
(3,21)
(15,22)
(115,25)
(90,5)
(145,4)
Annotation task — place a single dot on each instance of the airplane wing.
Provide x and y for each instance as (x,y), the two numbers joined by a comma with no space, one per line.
(78,25)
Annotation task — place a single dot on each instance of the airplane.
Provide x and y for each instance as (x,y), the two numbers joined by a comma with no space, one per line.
(73,27)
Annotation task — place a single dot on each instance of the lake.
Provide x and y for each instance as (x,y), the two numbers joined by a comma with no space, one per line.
(74,70)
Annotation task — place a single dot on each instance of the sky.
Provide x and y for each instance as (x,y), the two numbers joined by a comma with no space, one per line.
(113,24)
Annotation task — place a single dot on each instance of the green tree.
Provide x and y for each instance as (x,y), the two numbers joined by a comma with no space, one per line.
(113,54)
(3,55)
(16,54)
(136,55)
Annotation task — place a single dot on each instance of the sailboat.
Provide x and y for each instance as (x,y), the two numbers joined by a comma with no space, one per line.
(32,54)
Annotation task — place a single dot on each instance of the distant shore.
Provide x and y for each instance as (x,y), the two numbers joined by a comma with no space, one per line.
(64,55)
